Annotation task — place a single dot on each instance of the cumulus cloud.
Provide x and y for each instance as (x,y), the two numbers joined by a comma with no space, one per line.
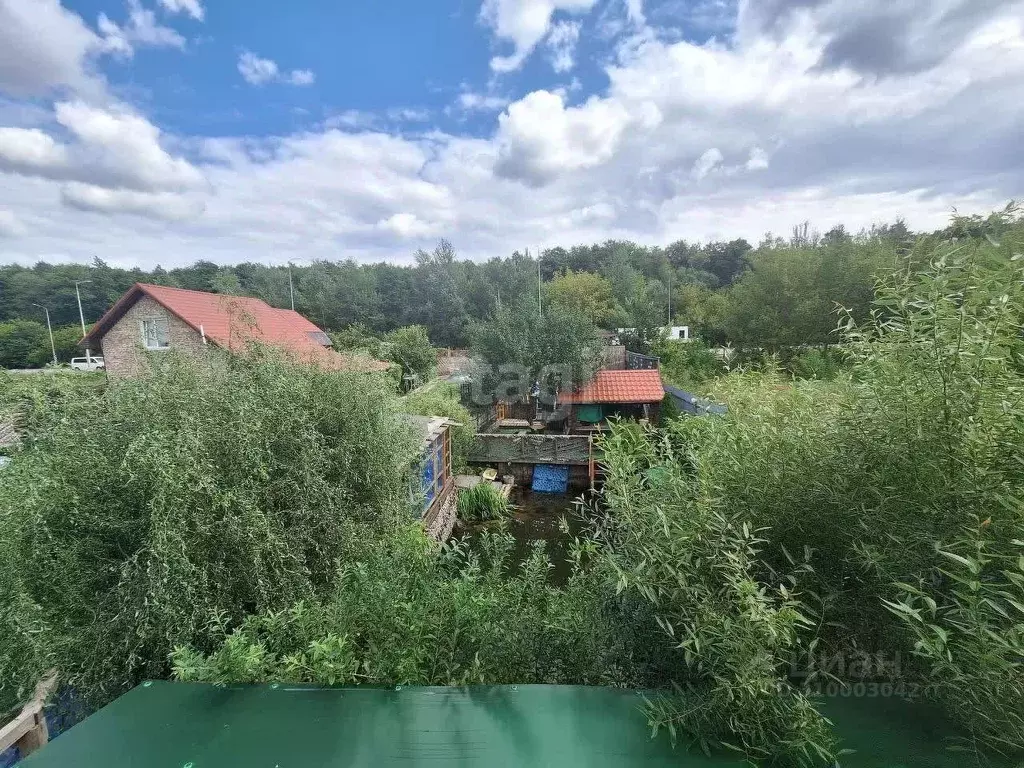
(524,23)
(115,163)
(562,42)
(31,151)
(119,148)
(540,138)
(776,132)
(706,163)
(43,46)
(193,8)
(877,37)
(259,71)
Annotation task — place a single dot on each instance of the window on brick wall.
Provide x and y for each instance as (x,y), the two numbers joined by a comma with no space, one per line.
(156,333)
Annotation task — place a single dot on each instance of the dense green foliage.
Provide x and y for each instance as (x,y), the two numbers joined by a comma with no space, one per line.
(410,348)
(189,499)
(881,513)
(400,613)
(687,364)
(518,335)
(442,399)
(26,344)
(482,502)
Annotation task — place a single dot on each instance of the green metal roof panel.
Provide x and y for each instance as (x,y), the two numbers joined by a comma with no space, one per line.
(177,725)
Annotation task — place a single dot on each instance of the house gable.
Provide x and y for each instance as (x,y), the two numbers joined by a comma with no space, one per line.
(123,345)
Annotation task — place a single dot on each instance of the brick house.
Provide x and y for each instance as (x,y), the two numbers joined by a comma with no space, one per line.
(150,319)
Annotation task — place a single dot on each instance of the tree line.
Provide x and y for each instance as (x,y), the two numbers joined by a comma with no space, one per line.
(781,293)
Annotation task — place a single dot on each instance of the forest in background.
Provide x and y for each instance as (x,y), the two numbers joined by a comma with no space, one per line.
(782,293)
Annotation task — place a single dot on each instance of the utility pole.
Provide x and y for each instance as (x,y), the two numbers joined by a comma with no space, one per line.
(291,285)
(670,297)
(81,316)
(49,328)
(540,310)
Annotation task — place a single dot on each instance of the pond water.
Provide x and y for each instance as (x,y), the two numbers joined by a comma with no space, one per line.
(538,517)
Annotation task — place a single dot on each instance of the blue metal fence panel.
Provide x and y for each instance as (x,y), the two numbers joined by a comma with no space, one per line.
(550,478)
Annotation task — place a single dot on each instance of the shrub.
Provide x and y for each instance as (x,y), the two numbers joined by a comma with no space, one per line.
(192,498)
(688,364)
(410,348)
(886,502)
(401,614)
(696,561)
(820,364)
(443,400)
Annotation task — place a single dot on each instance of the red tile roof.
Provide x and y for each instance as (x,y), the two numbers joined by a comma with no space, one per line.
(232,322)
(642,386)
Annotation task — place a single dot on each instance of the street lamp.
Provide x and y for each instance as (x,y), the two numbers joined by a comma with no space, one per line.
(49,328)
(291,283)
(81,315)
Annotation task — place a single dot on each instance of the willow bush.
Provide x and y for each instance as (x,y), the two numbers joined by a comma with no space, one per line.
(181,502)
(401,613)
(880,512)
(696,561)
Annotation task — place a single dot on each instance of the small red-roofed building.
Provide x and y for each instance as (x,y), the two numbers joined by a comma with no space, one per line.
(152,319)
(628,394)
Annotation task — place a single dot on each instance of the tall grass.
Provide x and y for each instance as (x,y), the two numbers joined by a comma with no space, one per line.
(482,502)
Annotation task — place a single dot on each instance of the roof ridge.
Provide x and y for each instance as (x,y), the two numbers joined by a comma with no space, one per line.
(201,293)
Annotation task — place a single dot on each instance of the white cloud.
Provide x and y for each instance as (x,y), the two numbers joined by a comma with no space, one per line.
(406,226)
(10,225)
(469,101)
(31,151)
(159,205)
(758,159)
(540,139)
(796,138)
(524,23)
(191,7)
(352,119)
(562,41)
(118,148)
(408,114)
(301,77)
(43,46)
(706,163)
(259,71)
(141,28)
(635,11)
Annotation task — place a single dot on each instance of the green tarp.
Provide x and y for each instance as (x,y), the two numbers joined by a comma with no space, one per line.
(178,725)
(590,414)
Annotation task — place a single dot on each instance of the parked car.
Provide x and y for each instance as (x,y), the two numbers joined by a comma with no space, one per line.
(87,364)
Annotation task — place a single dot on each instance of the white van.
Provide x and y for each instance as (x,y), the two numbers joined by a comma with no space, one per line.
(87,364)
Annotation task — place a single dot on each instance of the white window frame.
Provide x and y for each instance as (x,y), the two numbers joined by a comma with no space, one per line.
(145,340)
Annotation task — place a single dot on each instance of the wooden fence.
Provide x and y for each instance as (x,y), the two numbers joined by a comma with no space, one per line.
(532,449)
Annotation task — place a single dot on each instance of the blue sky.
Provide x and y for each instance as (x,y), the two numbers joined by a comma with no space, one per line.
(165,131)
